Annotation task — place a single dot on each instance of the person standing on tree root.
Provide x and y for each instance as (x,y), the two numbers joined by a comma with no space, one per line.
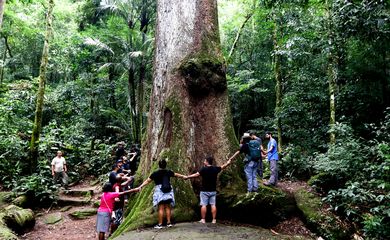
(273,157)
(59,169)
(163,196)
(251,147)
(208,190)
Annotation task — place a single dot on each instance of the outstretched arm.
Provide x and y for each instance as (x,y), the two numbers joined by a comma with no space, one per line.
(130,191)
(146,182)
(234,155)
(197,174)
(226,164)
(180,175)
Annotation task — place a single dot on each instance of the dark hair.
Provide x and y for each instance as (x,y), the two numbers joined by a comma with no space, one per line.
(268,132)
(107,187)
(114,166)
(210,159)
(162,164)
(245,140)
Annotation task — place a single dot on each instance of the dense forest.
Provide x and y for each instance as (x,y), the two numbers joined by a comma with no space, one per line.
(77,76)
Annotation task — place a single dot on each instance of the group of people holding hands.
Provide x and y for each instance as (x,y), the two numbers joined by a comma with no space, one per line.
(163,196)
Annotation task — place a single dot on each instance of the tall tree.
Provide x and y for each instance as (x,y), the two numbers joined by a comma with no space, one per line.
(189,113)
(2,5)
(278,77)
(333,71)
(41,90)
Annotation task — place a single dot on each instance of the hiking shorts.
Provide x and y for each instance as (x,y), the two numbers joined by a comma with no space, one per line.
(207,198)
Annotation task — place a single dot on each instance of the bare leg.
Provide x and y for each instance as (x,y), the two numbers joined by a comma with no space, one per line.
(160,213)
(101,236)
(203,211)
(214,212)
(168,212)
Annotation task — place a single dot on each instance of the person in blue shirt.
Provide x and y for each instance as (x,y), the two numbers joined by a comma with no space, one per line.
(273,157)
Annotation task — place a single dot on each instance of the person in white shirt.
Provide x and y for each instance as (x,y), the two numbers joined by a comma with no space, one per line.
(58,169)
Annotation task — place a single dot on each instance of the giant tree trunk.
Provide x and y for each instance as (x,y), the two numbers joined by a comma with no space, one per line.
(41,90)
(2,5)
(189,115)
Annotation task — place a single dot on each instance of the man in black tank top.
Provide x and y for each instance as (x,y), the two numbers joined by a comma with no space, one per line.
(208,190)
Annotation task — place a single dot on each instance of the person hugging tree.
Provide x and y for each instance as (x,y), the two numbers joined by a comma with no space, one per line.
(163,196)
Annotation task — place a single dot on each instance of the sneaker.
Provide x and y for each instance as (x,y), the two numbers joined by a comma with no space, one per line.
(214,221)
(158,226)
(202,221)
(169,225)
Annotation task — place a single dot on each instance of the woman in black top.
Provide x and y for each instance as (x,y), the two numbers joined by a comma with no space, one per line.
(163,196)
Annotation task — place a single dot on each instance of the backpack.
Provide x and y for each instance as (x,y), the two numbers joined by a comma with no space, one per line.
(166,185)
(254,150)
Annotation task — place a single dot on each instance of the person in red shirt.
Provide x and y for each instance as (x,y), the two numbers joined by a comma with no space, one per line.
(107,201)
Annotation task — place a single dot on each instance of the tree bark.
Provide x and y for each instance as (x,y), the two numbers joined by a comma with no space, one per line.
(332,73)
(2,6)
(278,81)
(41,90)
(189,114)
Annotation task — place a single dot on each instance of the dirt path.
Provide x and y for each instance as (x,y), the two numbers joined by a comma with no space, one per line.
(67,228)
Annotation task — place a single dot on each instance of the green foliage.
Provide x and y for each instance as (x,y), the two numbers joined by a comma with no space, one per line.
(296,163)
(39,189)
(355,178)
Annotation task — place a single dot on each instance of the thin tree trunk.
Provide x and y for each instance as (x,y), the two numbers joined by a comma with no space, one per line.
(189,114)
(2,7)
(41,90)
(111,80)
(238,35)
(2,69)
(278,80)
(332,73)
(131,101)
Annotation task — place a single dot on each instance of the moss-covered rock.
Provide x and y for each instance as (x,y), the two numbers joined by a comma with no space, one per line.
(5,232)
(21,201)
(53,218)
(83,213)
(18,219)
(323,222)
(5,197)
(264,208)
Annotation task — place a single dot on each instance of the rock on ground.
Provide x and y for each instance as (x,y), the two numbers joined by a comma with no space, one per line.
(199,231)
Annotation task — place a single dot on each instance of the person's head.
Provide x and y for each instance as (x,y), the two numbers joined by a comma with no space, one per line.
(124,159)
(59,154)
(120,144)
(119,163)
(107,187)
(252,134)
(162,164)
(118,178)
(268,134)
(246,138)
(209,160)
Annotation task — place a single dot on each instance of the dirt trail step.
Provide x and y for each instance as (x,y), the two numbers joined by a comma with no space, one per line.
(64,200)
(80,192)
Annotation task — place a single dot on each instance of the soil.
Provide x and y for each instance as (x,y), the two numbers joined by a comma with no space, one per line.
(72,229)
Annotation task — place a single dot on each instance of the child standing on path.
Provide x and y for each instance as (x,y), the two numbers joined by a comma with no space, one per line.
(105,209)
